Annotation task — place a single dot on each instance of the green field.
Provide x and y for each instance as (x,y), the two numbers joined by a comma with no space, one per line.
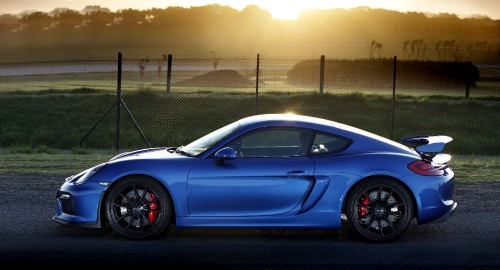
(60,120)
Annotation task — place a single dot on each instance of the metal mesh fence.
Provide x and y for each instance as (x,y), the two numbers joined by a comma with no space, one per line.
(169,101)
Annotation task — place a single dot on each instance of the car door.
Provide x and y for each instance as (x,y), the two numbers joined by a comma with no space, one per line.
(271,175)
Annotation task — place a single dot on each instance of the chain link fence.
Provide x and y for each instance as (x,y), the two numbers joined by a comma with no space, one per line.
(129,103)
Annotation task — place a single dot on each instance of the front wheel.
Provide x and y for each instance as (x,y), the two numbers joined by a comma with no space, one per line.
(138,207)
(379,209)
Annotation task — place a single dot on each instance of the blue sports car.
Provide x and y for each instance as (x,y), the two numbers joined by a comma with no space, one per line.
(274,171)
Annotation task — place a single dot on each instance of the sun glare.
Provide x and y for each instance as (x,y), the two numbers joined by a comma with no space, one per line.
(290,10)
(281,11)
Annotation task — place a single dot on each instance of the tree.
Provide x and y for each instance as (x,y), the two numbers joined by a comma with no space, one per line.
(130,17)
(98,19)
(90,9)
(8,19)
(36,21)
(375,46)
(254,13)
(68,19)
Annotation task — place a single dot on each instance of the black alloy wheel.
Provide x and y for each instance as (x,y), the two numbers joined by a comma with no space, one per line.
(138,207)
(379,209)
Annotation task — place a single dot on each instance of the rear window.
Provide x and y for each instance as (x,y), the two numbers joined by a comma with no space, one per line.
(327,143)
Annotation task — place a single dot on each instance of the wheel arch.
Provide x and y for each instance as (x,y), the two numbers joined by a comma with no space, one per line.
(360,181)
(102,206)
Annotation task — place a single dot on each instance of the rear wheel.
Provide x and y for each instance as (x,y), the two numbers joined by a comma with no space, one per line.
(138,207)
(379,209)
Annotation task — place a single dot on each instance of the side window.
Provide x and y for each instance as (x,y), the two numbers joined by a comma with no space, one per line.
(273,142)
(324,143)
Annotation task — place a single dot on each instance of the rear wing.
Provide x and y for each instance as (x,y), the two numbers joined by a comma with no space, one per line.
(429,147)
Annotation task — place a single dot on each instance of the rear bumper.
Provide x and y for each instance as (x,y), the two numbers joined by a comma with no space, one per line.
(447,214)
(433,196)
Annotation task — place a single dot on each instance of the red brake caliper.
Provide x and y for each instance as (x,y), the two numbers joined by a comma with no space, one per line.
(152,216)
(362,211)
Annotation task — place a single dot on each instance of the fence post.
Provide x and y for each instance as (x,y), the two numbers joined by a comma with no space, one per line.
(118,102)
(169,72)
(257,85)
(393,97)
(321,74)
(468,75)
(467,91)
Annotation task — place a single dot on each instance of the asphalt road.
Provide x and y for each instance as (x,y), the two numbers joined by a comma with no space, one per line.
(470,239)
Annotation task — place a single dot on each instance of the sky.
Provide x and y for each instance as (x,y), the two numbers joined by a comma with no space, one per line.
(280,9)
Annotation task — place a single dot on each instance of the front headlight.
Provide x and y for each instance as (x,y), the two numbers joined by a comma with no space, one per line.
(89,173)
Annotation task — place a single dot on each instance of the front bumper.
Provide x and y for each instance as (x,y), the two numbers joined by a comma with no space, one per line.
(79,205)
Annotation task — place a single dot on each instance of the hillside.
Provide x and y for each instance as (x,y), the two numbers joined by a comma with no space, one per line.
(222,31)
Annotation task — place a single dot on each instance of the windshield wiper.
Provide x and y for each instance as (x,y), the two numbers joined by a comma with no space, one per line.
(172,149)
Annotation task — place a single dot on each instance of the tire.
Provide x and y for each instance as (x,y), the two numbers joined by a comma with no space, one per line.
(379,209)
(138,207)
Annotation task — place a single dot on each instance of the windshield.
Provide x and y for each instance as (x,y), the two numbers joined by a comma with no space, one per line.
(200,145)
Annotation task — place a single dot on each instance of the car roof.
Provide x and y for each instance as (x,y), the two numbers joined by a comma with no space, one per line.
(288,118)
(363,140)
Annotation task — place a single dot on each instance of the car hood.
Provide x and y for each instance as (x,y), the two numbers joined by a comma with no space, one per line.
(157,152)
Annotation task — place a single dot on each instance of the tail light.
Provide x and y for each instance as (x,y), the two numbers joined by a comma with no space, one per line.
(424,167)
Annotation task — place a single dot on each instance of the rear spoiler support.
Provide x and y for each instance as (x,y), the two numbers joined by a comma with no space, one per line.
(429,147)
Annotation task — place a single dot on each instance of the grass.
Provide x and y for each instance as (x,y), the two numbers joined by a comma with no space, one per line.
(56,162)
(468,169)
(33,121)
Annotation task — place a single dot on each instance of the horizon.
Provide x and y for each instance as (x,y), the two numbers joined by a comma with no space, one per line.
(461,8)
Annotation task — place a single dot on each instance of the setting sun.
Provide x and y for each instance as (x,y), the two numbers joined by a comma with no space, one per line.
(291,12)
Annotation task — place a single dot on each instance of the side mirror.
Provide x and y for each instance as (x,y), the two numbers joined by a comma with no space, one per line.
(226,153)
